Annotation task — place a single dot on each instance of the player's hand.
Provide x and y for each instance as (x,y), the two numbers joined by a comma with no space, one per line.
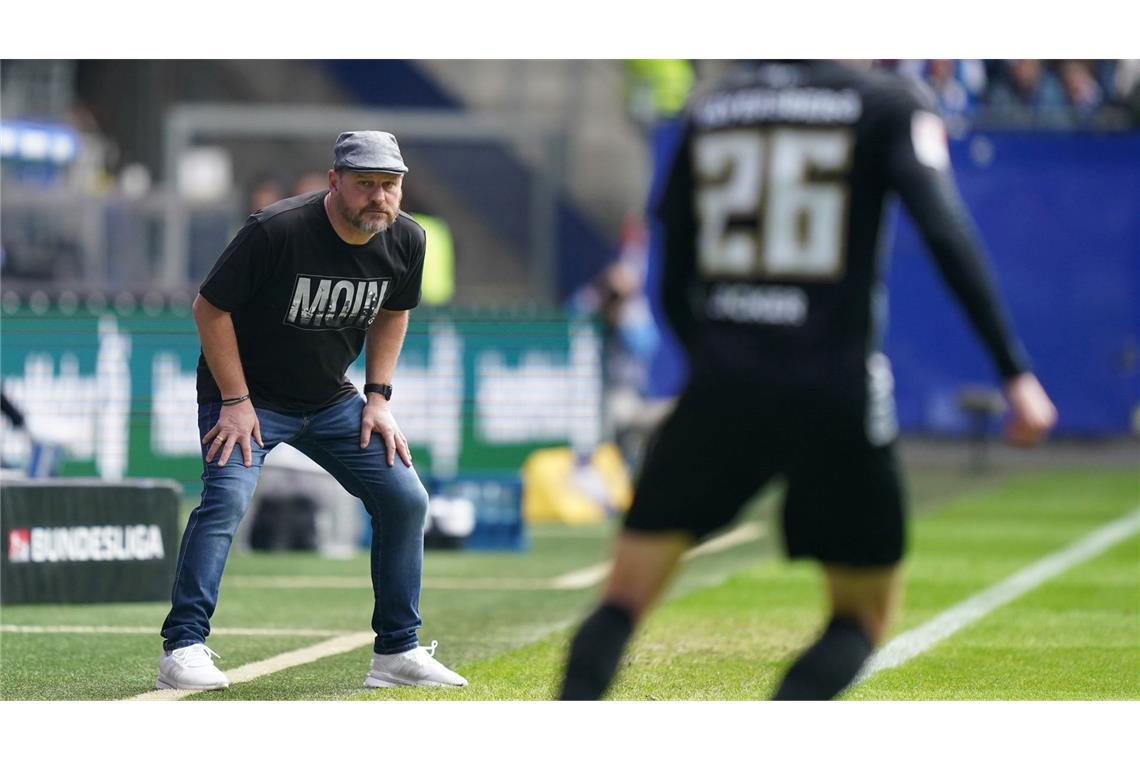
(1032,414)
(376,417)
(236,424)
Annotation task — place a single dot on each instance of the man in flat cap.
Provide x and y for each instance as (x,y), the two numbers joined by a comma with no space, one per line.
(305,285)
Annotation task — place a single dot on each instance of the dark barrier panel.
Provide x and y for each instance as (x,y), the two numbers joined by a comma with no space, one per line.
(86,540)
(1060,215)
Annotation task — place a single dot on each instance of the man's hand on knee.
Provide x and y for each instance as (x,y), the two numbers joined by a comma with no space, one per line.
(377,417)
(236,425)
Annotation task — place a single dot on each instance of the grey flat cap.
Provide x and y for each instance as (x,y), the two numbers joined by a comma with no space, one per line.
(368,151)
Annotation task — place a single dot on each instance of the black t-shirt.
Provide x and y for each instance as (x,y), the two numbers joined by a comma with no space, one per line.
(772,215)
(302,299)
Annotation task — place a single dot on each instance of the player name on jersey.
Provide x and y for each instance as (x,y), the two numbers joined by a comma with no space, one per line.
(806,105)
(334,303)
(751,304)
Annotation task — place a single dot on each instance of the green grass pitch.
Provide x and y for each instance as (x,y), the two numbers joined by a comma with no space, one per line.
(726,632)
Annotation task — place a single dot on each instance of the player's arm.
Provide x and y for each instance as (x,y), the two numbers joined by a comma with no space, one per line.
(676,214)
(919,170)
(381,350)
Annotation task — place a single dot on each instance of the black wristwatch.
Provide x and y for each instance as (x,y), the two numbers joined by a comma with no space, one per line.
(383,390)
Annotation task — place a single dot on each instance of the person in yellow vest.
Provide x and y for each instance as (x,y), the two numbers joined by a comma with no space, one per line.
(657,87)
(439,260)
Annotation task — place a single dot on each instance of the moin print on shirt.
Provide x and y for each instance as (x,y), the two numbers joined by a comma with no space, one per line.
(335,303)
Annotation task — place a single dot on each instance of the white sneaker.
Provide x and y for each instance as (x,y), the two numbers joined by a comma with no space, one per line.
(190,668)
(417,667)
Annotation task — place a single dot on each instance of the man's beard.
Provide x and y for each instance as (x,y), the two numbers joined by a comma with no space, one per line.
(367,224)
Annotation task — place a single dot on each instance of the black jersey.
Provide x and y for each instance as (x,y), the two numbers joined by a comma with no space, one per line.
(773,221)
(302,299)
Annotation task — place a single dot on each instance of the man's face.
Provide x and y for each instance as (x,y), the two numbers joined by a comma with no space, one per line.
(368,201)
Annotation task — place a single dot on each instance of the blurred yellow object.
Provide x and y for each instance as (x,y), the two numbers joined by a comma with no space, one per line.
(438,285)
(664,82)
(560,487)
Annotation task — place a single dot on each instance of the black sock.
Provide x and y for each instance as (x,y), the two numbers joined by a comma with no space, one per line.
(594,653)
(829,665)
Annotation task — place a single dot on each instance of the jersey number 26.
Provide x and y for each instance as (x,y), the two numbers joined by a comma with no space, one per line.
(772,203)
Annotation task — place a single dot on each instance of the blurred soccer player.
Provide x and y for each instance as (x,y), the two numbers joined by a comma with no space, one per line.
(773,282)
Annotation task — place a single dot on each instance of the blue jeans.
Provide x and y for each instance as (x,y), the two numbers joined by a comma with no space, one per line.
(394,497)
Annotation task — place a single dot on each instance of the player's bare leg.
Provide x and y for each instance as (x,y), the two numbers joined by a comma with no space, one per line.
(862,601)
(643,566)
(868,595)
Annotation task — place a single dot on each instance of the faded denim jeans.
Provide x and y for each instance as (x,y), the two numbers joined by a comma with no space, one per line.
(394,497)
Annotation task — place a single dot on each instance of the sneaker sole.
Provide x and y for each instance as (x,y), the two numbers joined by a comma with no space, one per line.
(372,682)
(163,684)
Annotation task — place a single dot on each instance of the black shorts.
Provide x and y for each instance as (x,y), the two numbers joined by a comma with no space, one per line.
(844,502)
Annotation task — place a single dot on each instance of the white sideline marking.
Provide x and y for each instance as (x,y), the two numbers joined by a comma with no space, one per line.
(574,580)
(742,535)
(311,582)
(583,578)
(913,643)
(151,630)
(338,645)
(588,576)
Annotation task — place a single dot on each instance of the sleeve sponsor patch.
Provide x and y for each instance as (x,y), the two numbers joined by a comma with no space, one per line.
(929,137)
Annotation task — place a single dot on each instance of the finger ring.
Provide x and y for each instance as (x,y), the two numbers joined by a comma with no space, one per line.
(221,439)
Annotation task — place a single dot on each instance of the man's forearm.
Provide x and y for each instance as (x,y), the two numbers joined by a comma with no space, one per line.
(382,348)
(219,346)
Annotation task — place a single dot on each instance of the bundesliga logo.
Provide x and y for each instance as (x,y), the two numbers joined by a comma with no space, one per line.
(19,545)
(98,543)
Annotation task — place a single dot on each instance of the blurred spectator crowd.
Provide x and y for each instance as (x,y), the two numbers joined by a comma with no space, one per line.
(988,94)
(1031,93)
